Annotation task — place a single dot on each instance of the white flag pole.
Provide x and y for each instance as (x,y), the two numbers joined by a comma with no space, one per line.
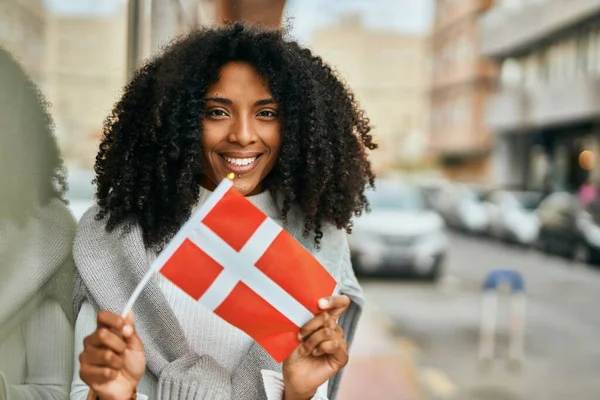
(177,240)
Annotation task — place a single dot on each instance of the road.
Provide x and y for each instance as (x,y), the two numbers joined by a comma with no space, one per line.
(438,325)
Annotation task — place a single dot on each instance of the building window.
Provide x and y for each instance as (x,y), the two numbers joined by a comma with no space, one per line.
(461,111)
(511,73)
(464,49)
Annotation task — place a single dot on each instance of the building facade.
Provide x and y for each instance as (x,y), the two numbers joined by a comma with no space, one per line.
(461,81)
(386,71)
(546,111)
(85,68)
(23,30)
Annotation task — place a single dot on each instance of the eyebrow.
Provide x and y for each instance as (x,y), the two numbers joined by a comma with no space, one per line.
(223,100)
(265,102)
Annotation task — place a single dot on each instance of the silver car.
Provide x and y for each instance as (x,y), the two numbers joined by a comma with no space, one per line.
(513,216)
(400,234)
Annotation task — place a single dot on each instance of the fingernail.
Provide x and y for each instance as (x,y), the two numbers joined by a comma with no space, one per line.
(323,303)
(300,336)
(316,352)
(127,330)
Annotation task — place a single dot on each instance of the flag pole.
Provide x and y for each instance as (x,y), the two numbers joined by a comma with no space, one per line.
(138,291)
(160,260)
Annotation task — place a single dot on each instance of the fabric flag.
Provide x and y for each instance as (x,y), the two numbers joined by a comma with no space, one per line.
(247,269)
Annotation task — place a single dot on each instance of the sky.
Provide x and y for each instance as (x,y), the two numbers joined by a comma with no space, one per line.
(84,7)
(406,16)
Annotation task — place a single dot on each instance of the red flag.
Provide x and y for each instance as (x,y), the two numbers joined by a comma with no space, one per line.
(241,264)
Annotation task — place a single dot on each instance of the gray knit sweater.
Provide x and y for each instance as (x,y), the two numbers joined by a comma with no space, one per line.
(109,265)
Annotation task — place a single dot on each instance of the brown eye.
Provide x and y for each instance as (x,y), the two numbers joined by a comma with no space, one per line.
(267,114)
(216,113)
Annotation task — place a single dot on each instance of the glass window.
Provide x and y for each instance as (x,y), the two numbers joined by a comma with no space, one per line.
(400,199)
(511,73)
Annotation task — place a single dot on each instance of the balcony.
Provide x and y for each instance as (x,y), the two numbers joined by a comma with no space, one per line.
(508,110)
(509,33)
(465,71)
(456,11)
(566,102)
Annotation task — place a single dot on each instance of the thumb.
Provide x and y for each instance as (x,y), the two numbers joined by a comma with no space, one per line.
(129,333)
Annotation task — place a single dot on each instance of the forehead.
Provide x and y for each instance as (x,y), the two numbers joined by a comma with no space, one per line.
(239,79)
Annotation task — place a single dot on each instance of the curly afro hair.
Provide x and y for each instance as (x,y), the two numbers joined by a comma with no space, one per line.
(31,168)
(149,164)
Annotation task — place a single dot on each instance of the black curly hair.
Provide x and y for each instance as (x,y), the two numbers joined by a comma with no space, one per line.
(31,168)
(149,164)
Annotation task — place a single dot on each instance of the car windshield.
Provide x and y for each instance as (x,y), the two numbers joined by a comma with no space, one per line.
(528,200)
(80,185)
(401,199)
(471,196)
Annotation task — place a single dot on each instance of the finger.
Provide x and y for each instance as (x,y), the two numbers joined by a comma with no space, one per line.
(318,337)
(335,305)
(94,376)
(112,321)
(131,337)
(318,322)
(104,338)
(101,358)
(335,348)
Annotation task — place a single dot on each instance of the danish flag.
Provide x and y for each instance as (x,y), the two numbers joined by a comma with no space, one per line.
(247,269)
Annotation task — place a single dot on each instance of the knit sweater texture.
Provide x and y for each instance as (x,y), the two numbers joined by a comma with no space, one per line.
(110,264)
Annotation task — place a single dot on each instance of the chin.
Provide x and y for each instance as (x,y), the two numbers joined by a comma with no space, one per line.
(245,188)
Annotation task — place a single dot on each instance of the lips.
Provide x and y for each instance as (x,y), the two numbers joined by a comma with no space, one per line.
(240,163)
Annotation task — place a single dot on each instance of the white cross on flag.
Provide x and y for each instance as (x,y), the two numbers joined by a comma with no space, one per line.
(247,269)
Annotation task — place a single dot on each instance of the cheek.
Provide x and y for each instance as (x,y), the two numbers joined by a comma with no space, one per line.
(274,140)
(211,137)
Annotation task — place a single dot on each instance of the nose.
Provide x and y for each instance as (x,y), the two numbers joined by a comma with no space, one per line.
(243,132)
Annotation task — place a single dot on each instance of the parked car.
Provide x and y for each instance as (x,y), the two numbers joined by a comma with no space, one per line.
(463,209)
(81,191)
(513,217)
(400,234)
(569,229)
(431,190)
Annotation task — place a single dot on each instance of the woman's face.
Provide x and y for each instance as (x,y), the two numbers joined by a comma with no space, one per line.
(242,129)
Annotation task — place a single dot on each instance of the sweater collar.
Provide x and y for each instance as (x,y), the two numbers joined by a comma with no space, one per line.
(264,201)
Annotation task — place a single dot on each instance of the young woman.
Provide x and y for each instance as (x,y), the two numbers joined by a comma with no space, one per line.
(233,99)
(36,236)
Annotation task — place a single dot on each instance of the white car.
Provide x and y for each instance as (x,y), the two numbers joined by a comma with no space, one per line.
(399,235)
(513,216)
(463,209)
(81,191)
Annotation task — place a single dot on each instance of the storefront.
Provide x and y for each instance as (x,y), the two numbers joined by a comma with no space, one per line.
(562,159)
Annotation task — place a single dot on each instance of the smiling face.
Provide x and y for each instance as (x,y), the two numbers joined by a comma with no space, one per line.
(242,129)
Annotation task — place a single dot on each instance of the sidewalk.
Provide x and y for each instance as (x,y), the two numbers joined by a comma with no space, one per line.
(377,369)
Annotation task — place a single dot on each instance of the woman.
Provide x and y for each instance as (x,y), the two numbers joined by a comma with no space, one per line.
(224,100)
(36,235)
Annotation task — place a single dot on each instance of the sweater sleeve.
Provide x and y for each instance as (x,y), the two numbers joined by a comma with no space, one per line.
(48,337)
(273,382)
(84,326)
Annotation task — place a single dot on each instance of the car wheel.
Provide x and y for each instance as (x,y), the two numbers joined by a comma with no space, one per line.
(594,255)
(581,253)
(435,272)
(358,270)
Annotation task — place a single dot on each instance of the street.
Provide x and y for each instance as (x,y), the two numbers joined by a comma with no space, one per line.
(436,327)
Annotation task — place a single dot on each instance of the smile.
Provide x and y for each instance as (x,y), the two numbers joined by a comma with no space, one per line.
(240,164)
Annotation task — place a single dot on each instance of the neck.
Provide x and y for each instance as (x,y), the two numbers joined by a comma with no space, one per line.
(210,185)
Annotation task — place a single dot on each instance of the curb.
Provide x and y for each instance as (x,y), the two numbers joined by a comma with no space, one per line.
(402,344)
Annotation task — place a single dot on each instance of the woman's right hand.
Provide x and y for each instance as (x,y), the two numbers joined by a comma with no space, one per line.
(112,362)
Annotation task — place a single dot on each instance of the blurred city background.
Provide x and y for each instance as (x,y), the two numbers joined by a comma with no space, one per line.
(488,118)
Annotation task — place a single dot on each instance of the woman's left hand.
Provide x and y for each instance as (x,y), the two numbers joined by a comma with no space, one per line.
(322,353)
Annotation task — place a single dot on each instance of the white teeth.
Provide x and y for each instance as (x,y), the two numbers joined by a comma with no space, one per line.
(240,162)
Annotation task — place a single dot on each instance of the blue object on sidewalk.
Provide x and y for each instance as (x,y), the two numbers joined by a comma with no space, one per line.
(497,276)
